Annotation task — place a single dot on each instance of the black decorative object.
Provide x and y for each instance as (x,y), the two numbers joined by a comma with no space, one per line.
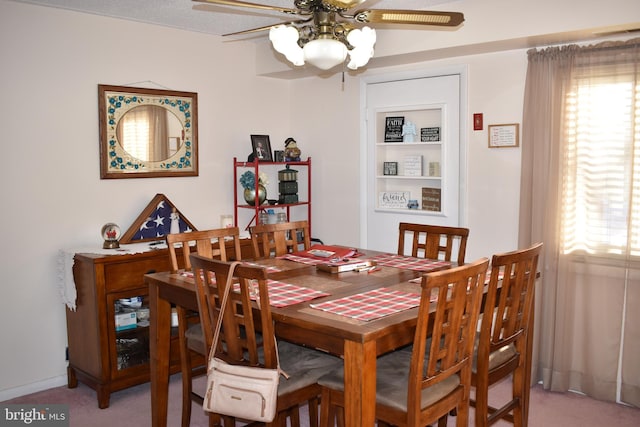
(288,185)
(393,129)
(430,134)
(390,168)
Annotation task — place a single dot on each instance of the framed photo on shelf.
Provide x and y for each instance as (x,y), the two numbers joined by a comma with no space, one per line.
(393,129)
(390,168)
(261,148)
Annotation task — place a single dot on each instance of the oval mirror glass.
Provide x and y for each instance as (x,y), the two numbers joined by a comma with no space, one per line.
(149,133)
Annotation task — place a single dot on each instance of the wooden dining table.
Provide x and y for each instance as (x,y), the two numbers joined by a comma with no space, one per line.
(359,340)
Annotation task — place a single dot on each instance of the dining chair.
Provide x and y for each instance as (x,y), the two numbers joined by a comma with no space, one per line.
(417,387)
(434,241)
(272,240)
(240,343)
(502,347)
(190,331)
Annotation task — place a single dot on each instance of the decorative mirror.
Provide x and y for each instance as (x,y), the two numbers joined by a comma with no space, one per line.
(146,133)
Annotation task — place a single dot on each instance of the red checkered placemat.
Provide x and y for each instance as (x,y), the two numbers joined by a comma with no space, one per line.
(410,263)
(283,294)
(371,305)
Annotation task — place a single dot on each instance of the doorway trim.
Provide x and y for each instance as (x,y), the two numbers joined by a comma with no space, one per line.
(462,71)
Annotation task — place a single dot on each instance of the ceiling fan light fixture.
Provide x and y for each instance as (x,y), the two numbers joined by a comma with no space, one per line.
(285,41)
(362,41)
(325,53)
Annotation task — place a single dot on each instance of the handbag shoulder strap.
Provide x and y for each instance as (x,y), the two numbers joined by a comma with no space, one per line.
(223,305)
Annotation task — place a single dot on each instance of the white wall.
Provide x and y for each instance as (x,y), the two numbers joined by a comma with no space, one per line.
(52,196)
(326,123)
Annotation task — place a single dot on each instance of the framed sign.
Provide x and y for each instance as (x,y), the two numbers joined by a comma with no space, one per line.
(431,199)
(261,148)
(390,168)
(429,134)
(393,129)
(393,199)
(501,136)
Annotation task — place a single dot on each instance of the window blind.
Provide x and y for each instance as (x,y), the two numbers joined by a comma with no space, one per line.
(601,188)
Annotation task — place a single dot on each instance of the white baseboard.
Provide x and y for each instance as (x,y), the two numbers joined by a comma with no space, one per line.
(12,393)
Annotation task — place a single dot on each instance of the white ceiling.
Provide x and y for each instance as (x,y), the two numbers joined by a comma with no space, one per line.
(208,18)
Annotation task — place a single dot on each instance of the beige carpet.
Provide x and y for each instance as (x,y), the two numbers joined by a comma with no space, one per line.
(132,407)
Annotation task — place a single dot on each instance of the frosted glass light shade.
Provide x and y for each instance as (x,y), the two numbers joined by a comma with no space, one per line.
(325,53)
(285,41)
(362,42)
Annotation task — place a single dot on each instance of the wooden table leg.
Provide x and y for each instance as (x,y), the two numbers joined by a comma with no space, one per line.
(159,347)
(360,383)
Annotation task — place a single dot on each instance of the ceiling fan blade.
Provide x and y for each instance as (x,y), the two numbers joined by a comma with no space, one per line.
(419,17)
(267,27)
(343,4)
(238,3)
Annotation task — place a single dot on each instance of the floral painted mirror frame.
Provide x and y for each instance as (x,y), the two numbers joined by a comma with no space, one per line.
(114,102)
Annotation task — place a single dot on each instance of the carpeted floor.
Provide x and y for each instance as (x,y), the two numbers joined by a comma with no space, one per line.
(132,407)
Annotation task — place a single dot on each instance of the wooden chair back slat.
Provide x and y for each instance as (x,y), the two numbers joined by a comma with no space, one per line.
(434,241)
(445,336)
(511,293)
(273,240)
(204,245)
(246,333)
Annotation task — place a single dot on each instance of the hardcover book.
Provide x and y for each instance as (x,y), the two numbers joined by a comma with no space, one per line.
(342,266)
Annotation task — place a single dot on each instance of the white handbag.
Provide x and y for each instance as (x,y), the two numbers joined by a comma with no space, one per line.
(246,392)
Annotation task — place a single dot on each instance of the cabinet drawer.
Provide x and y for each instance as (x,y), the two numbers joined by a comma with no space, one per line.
(128,275)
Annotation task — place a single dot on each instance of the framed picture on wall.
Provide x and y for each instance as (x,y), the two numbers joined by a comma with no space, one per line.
(502,136)
(261,148)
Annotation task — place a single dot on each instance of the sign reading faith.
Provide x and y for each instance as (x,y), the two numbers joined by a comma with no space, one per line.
(393,129)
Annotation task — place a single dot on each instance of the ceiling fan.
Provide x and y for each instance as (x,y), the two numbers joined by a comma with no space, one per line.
(327,30)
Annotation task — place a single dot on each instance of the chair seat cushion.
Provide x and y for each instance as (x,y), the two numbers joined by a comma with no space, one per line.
(195,339)
(496,358)
(303,365)
(391,382)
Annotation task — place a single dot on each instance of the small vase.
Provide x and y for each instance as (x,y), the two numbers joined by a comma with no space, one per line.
(250,195)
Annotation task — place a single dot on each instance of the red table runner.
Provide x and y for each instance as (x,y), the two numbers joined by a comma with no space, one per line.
(371,305)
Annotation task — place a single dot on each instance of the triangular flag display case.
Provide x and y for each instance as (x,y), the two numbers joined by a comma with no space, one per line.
(156,221)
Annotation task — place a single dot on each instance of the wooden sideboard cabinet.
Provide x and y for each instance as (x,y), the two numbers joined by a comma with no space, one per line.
(99,356)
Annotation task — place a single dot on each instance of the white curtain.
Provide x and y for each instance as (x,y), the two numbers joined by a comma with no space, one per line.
(580,195)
